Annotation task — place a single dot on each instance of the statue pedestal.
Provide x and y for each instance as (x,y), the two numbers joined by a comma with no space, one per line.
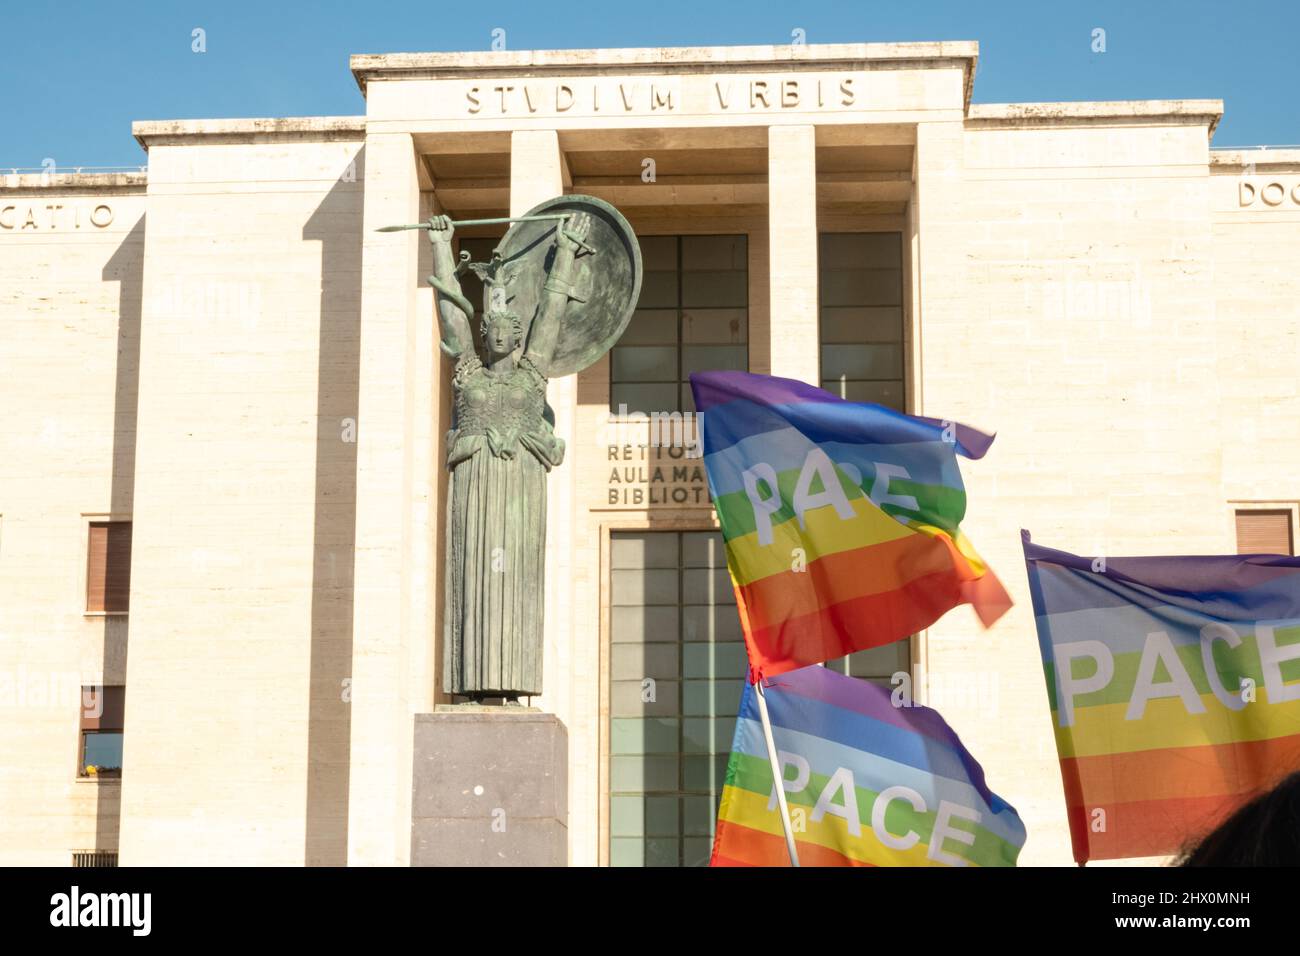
(490,788)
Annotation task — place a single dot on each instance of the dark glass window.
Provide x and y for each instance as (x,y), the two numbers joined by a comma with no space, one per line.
(677,667)
(102,749)
(693,316)
(860,293)
(102,718)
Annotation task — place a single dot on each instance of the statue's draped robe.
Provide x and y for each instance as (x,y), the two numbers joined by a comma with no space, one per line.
(499,452)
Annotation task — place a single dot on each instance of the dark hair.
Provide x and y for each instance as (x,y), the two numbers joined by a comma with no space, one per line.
(1263,832)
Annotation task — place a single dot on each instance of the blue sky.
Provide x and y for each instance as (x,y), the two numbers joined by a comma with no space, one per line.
(76,73)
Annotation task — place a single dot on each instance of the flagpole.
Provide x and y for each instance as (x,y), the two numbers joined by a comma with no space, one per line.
(778,775)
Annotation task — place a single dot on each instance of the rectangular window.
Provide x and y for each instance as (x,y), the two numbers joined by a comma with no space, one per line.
(677,667)
(860,291)
(108,567)
(1264,531)
(877,665)
(102,712)
(693,316)
(677,670)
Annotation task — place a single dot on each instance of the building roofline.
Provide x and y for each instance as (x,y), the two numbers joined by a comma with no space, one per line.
(150,132)
(1257,156)
(407,65)
(1089,113)
(118,181)
(388,66)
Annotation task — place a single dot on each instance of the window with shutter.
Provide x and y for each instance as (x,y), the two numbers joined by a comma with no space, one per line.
(103,708)
(1264,532)
(102,717)
(108,567)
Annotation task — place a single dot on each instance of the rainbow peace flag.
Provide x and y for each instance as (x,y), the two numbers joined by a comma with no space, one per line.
(841,519)
(1175,690)
(868,783)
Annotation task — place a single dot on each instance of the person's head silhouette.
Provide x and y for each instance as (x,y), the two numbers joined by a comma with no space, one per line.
(1263,832)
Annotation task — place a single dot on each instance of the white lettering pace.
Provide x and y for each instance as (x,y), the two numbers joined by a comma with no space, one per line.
(838,797)
(817,468)
(1096,666)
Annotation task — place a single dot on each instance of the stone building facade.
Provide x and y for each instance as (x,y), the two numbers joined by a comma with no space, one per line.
(222,352)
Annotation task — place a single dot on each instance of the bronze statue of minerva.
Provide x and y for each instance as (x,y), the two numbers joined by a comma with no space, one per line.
(558,291)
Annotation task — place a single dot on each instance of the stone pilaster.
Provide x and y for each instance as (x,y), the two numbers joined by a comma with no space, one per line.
(390,681)
(792,250)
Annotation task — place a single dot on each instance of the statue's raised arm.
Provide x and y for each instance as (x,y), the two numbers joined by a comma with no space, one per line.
(570,237)
(454,309)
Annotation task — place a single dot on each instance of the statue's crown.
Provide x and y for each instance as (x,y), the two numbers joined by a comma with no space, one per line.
(495,274)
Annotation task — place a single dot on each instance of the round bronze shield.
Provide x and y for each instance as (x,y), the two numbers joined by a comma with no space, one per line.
(607,279)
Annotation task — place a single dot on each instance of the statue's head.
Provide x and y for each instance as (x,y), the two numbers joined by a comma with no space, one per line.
(502,331)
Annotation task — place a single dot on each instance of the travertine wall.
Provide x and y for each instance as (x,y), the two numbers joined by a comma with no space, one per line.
(236,746)
(1073,310)
(1255,203)
(71,254)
